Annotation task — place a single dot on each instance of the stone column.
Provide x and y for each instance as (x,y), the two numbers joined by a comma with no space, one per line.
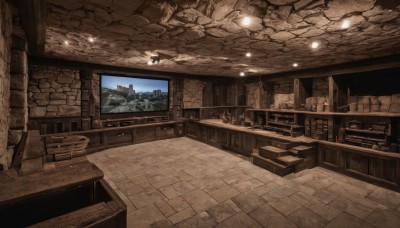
(18,93)
(5,44)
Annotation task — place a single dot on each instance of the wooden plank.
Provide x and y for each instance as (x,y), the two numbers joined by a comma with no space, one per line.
(33,15)
(357,163)
(333,92)
(19,151)
(19,188)
(368,114)
(358,66)
(97,215)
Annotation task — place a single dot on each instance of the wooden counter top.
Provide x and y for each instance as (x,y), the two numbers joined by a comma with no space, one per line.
(373,114)
(218,123)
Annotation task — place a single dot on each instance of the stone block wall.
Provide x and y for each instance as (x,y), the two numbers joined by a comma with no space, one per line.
(283,94)
(5,44)
(320,87)
(192,93)
(54,92)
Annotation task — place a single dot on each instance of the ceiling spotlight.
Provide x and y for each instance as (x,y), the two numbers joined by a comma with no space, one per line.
(246,21)
(345,24)
(66,42)
(91,39)
(248,54)
(153,60)
(295,65)
(314,44)
(241,74)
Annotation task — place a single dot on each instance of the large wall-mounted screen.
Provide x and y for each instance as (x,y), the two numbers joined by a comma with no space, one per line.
(125,94)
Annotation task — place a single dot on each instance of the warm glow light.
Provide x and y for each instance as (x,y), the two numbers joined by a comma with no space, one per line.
(295,65)
(314,44)
(150,63)
(66,42)
(91,39)
(246,21)
(248,54)
(345,24)
(241,74)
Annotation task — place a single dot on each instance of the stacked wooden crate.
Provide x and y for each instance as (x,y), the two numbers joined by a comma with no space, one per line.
(65,147)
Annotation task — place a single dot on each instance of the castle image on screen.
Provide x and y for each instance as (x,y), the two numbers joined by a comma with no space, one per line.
(120,94)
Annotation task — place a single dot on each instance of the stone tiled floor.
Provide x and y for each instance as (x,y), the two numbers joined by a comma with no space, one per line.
(184,183)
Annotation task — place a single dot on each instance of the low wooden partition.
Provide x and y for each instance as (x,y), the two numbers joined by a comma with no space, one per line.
(104,138)
(74,195)
(381,168)
(242,140)
(377,167)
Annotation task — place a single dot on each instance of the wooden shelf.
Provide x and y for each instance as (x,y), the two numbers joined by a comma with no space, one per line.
(366,131)
(211,107)
(289,124)
(365,138)
(372,114)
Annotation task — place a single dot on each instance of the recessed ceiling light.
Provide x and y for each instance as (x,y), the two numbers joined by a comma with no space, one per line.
(241,74)
(345,24)
(314,44)
(248,54)
(66,42)
(91,39)
(246,21)
(295,65)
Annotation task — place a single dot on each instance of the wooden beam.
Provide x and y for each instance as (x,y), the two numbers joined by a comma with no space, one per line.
(100,68)
(33,18)
(372,64)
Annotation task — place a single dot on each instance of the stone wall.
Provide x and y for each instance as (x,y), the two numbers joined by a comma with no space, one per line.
(320,95)
(283,94)
(192,93)
(253,95)
(5,43)
(18,90)
(320,87)
(54,92)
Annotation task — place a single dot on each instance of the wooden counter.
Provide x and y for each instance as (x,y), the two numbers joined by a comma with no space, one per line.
(110,137)
(378,167)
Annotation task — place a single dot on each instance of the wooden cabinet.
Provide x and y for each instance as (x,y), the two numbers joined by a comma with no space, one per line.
(119,137)
(224,138)
(213,136)
(366,164)
(248,143)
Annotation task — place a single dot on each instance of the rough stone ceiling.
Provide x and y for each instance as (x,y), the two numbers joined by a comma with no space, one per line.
(208,37)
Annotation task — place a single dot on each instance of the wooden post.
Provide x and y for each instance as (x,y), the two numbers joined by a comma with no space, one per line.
(333,93)
(299,94)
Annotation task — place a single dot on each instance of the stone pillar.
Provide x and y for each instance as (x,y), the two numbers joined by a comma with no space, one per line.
(192,93)
(18,92)
(176,95)
(88,109)
(5,58)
